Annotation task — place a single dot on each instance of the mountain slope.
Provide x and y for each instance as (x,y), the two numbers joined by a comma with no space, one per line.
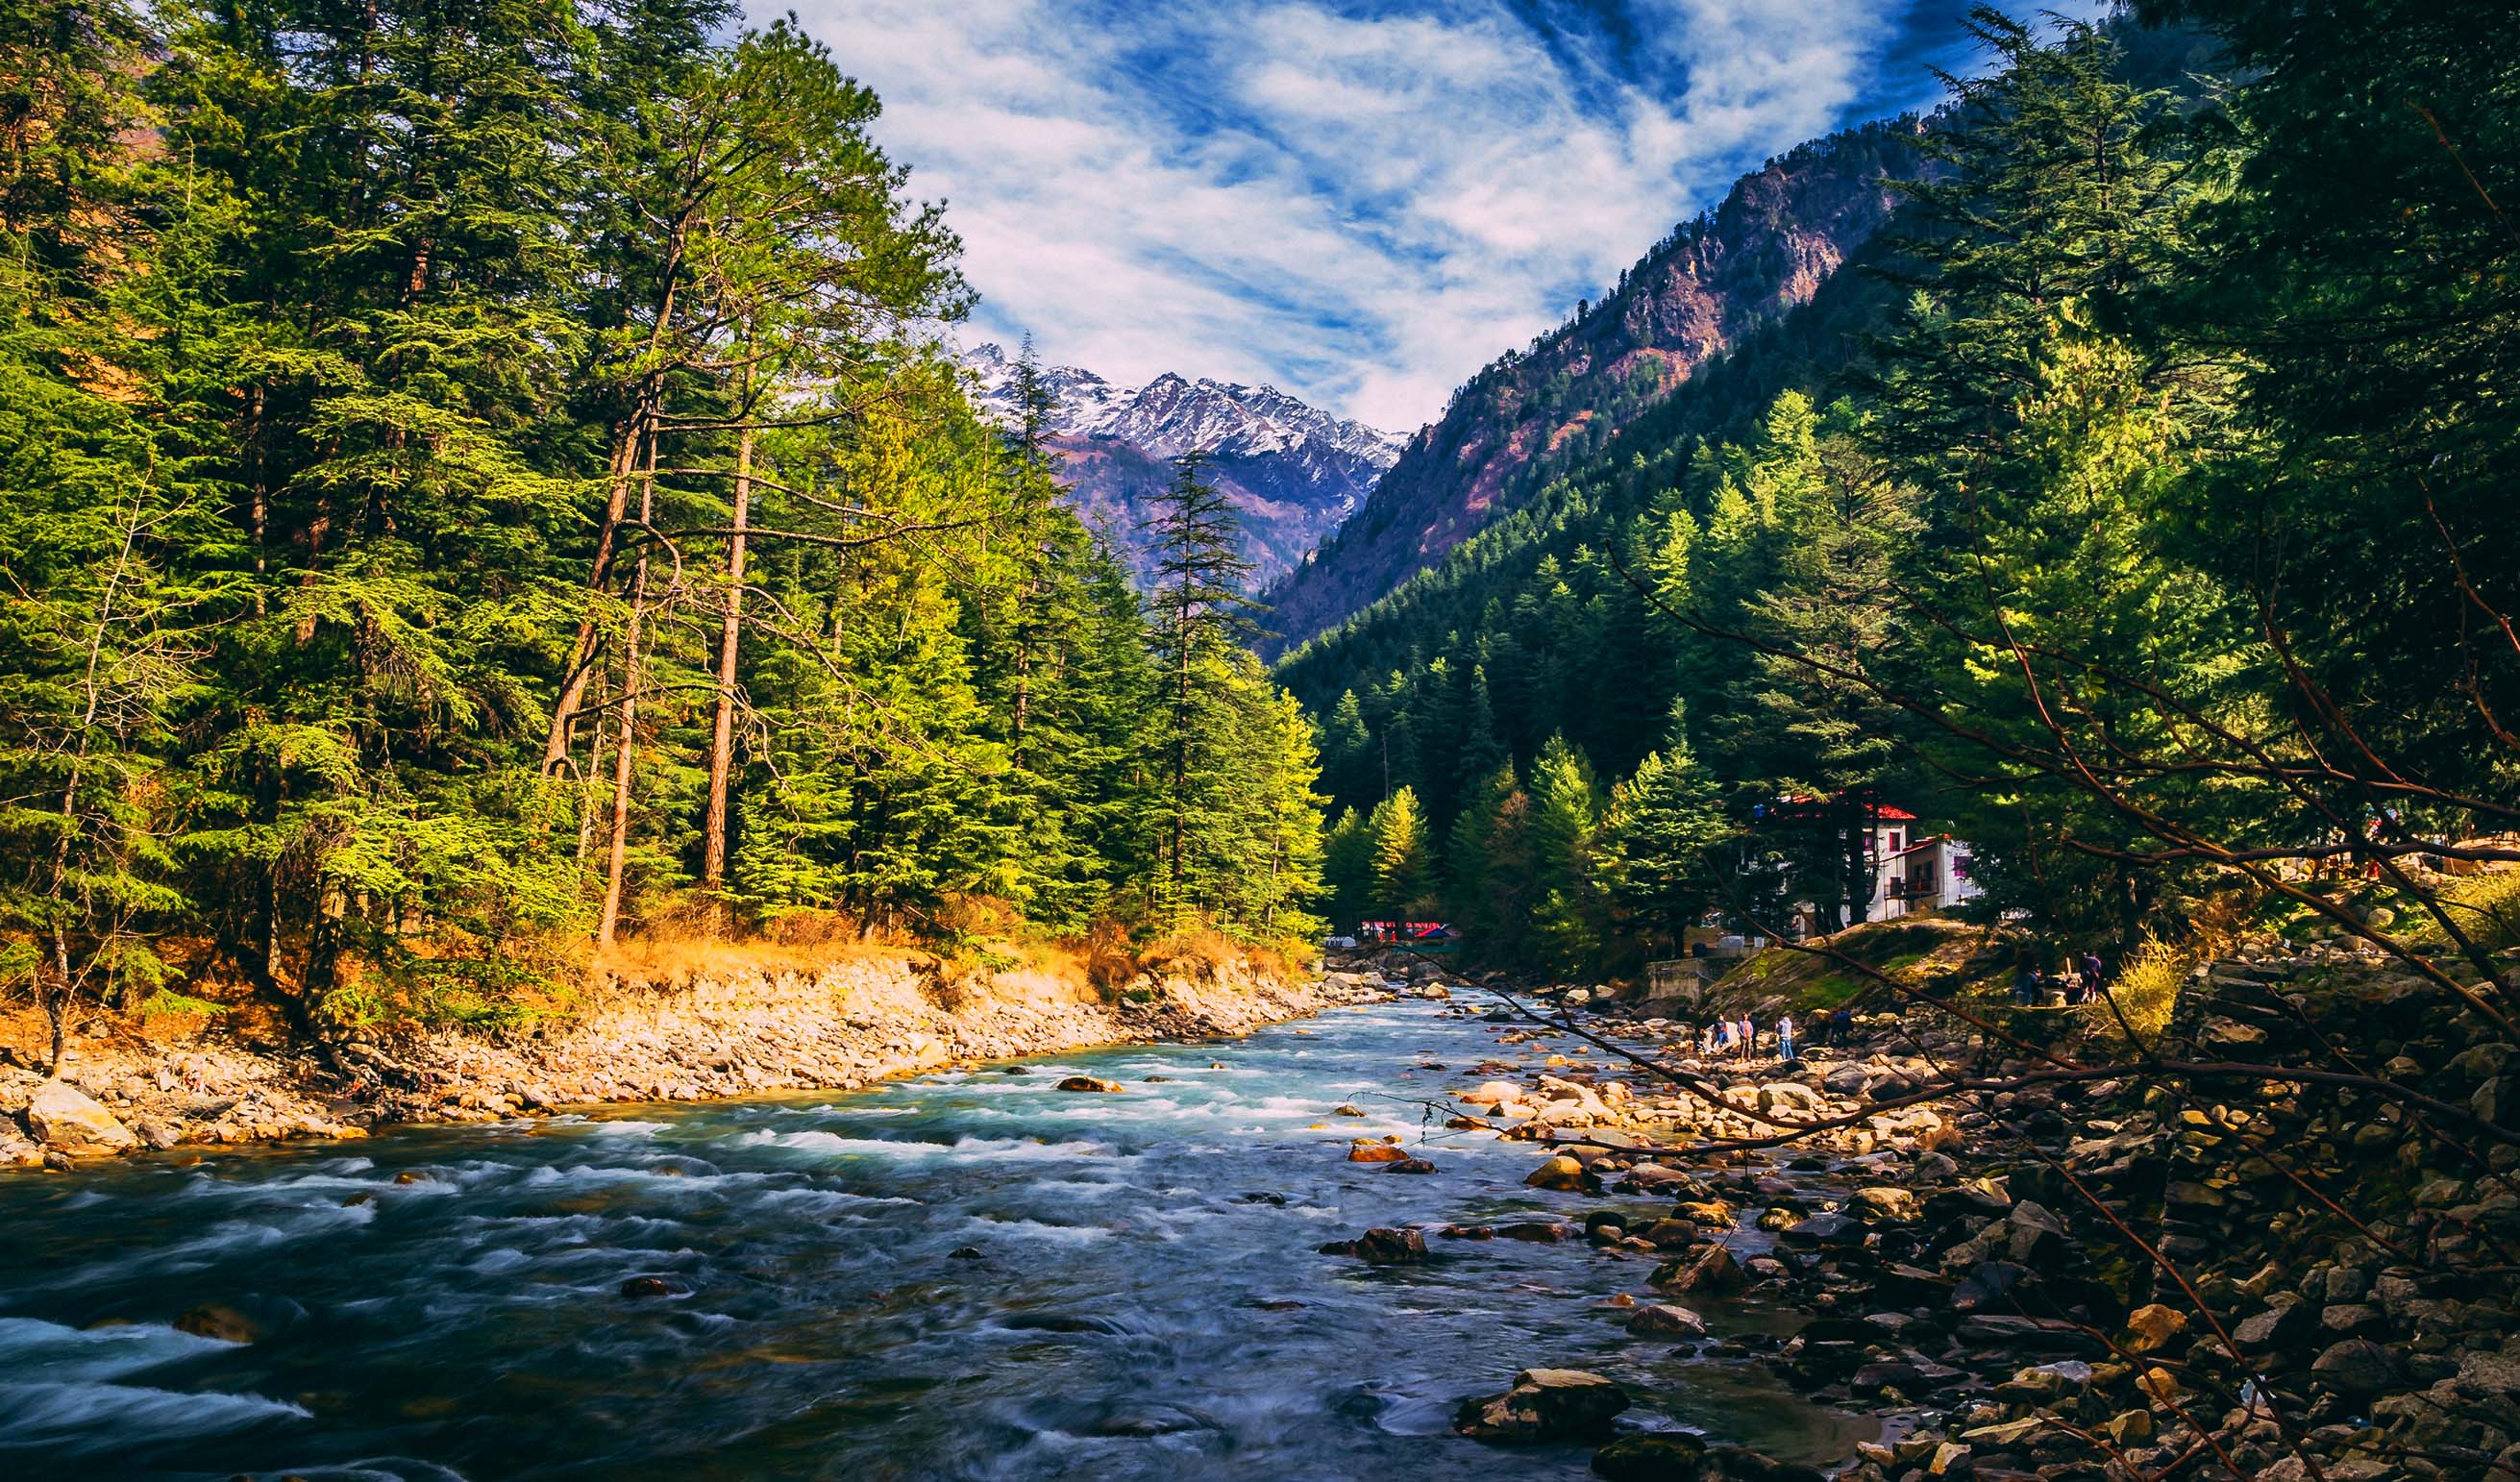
(1292,471)
(1779,236)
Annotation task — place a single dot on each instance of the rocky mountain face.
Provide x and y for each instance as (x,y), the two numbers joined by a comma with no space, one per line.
(1780,234)
(1293,471)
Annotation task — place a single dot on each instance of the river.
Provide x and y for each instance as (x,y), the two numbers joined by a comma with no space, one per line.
(966,1274)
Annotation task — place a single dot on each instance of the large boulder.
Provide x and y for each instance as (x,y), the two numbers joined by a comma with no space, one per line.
(1825,1229)
(1543,1405)
(64,1117)
(2356,1368)
(1662,1319)
(1713,1270)
(1381,1246)
(1560,1173)
(217,1320)
(2285,1325)
(1089,1083)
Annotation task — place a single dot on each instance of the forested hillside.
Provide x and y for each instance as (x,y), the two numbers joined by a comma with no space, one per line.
(2130,509)
(1539,411)
(478,478)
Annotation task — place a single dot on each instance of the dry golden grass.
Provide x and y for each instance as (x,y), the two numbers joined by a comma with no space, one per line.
(1202,953)
(674,949)
(2486,907)
(2142,997)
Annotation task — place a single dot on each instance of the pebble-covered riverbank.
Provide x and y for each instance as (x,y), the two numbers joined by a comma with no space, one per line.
(706,1035)
(2078,1278)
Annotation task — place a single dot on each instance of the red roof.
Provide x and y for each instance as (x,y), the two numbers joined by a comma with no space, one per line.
(1883,812)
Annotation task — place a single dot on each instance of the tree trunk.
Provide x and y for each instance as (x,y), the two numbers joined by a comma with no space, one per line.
(259,503)
(582,648)
(642,425)
(714,821)
(56,1002)
(586,798)
(619,853)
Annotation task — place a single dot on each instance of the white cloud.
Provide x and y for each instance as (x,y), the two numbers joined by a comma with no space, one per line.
(1362,209)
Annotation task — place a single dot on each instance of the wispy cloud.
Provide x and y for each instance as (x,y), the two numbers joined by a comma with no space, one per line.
(1362,203)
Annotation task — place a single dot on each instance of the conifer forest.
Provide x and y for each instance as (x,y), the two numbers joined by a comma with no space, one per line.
(744,745)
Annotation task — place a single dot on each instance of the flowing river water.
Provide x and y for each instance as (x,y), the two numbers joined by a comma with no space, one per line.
(1147,1299)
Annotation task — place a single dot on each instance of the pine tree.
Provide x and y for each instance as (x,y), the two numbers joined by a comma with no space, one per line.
(96,644)
(1347,869)
(1198,613)
(1348,767)
(1402,870)
(1566,913)
(1825,739)
(1660,836)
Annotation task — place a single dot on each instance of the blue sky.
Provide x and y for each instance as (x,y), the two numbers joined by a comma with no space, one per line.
(1359,203)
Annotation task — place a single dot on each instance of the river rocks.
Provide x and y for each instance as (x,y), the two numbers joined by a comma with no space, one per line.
(2152,1328)
(1411,1165)
(64,1117)
(1347,1110)
(655,1287)
(1543,1405)
(1536,1232)
(1382,1248)
(1367,1151)
(1825,1229)
(1987,1283)
(1087,1083)
(1880,1202)
(2280,1326)
(1655,1177)
(2356,1367)
(1678,1456)
(1662,1319)
(1712,1270)
(217,1320)
(1562,1173)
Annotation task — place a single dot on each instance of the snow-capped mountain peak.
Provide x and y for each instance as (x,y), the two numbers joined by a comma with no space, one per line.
(1172,413)
(1292,469)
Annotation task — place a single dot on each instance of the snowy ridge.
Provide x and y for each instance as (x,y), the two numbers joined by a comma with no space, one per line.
(1172,415)
(1293,470)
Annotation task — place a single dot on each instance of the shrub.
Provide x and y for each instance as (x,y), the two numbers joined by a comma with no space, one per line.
(2487,908)
(2143,996)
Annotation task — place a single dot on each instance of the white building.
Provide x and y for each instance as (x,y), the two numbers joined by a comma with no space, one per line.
(1912,871)
(1910,874)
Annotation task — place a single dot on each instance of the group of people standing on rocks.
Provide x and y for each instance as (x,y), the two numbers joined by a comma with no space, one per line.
(2079,982)
(1739,1038)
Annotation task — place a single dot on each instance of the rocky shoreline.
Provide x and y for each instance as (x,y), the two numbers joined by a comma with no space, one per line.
(2089,1279)
(708,1035)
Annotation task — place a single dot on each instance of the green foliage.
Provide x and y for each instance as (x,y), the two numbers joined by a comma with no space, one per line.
(1657,849)
(1402,871)
(2136,509)
(477,471)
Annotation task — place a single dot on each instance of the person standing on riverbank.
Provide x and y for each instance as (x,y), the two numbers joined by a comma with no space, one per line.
(1749,1036)
(1785,1037)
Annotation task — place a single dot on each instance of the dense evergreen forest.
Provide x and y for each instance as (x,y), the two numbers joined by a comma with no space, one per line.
(2139,510)
(481,476)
